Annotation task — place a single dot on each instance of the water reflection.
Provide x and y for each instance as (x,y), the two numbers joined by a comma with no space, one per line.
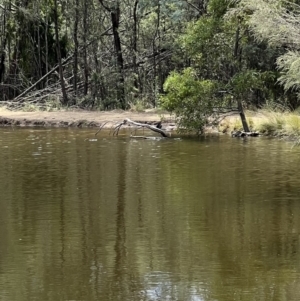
(120,219)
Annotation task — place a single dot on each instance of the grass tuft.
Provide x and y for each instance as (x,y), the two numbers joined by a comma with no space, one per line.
(273,123)
(268,122)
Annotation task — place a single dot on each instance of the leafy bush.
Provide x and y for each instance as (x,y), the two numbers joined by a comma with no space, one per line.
(191,99)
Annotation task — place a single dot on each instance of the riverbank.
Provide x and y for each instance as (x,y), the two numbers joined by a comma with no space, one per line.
(81,118)
(269,123)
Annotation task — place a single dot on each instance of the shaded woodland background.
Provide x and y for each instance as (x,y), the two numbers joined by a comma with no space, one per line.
(118,54)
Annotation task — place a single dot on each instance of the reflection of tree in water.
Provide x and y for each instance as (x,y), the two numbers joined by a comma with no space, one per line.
(125,280)
(120,248)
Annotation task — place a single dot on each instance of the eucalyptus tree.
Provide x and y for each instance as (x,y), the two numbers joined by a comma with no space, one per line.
(208,43)
(115,14)
(160,24)
(58,51)
(5,15)
(216,48)
(76,45)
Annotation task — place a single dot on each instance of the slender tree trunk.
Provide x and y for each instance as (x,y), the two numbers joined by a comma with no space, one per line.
(156,50)
(237,57)
(243,117)
(46,44)
(3,40)
(115,20)
(85,60)
(39,49)
(160,76)
(2,65)
(114,11)
(3,46)
(39,53)
(75,35)
(134,44)
(9,41)
(154,71)
(61,75)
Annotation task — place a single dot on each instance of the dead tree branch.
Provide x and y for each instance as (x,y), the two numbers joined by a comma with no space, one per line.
(64,62)
(42,78)
(127,121)
(148,126)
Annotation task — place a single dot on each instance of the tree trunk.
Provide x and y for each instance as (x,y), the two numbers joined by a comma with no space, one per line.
(2,61)
(115,20)
(243,117)
(114,11)
(154,50)
(39,50)
(75,36)
(85,60)
(160,76)
(134,46)
(60,66)
(238,58)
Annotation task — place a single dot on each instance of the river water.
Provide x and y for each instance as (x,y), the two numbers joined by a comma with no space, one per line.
(212,219)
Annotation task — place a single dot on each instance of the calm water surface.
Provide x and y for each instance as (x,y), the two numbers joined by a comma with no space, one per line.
(212,219)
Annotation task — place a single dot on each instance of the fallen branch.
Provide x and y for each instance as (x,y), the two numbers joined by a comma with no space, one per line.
(56,68)
(42,78)
(148,126)
(141,125)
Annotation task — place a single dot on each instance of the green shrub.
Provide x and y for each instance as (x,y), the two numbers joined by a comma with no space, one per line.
(191,99)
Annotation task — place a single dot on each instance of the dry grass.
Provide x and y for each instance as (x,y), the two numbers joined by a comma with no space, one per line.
(279,124)
(234,122)
(275,123)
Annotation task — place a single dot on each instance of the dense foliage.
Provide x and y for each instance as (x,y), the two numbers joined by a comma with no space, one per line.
(199,55)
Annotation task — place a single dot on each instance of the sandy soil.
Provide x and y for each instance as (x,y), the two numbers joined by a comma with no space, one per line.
(79,118)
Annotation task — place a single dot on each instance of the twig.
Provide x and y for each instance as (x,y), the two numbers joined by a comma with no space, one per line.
(101,127)
(117,128)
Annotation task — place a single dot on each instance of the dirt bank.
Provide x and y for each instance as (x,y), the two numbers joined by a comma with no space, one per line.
(80,118)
